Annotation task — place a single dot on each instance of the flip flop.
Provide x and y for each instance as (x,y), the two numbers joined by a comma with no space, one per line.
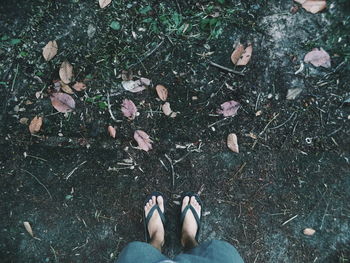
(150,214)
(194,212)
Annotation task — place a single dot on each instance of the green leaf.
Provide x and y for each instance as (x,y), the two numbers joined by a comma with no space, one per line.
(145,10)
(115,25)
(15,41)
(23,54)
(4,38)
(102,105)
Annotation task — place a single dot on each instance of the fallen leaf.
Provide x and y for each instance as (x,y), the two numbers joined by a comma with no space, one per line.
(314,6)
(309,231)
(66,72)
(143,140)
(129,109)
(237,53)
(79,86)
(133,86)
(247,54)
(293,93)
(104,3)
(28,228)
(229,108)
(145,81)
(232,142)
(162,92)
(66,88)
(300,1)
(35,124)
(50,50)
(112,131)
(318,57)
(23,121)
(62,102)
(167,110)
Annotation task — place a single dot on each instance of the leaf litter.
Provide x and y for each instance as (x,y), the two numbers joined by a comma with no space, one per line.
(62,102)
(66,72)
(35,124)
(129,109)
(162,92)
(111,131)
(50,50)
(143,140)
(241,56)
(168,111)
(313,6)
(232,143)
(137,85)
(79,86)
(318,57)
(229,108)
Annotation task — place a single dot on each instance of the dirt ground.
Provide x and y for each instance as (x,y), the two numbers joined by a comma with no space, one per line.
(81,190)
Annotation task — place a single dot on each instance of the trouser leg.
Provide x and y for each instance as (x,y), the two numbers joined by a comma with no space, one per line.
(140,252)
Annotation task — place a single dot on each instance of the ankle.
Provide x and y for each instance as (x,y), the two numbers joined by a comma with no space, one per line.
(188,242)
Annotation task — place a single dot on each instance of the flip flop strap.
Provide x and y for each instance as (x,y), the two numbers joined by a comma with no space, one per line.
(150,214)
(194,212)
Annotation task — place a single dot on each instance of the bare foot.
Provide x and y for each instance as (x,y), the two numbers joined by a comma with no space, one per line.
(189,226)
(155,226)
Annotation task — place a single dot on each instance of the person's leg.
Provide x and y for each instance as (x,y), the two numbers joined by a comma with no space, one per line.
(140,252)
(155,225)
(143,252)
(189,226)
(214,251)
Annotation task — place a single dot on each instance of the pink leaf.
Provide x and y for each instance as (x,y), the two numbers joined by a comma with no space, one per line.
(79,86)
(62,102)
(143,140)
(318,58)
(133,86)
(129,109)
(145,81)
(111,130)
(229,108)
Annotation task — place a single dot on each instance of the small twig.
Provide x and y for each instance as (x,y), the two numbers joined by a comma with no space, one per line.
(76,168)
(110,108)
(278,126)
(210,125)
(290,219)
(324,215)
(225,68)
(47,190)
(172,169)
(147,54)
(268,124)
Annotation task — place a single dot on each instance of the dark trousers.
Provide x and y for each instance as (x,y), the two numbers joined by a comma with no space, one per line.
(214,251)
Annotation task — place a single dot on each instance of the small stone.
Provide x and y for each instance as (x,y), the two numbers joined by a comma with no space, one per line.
(269,96)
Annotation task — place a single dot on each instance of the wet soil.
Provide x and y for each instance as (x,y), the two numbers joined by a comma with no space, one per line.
(82,191)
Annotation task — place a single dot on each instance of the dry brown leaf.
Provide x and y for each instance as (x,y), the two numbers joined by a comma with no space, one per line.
(309,231)
(237,53)
(79,86)
(232,143)
(23,120)
(66,72)
(129,109)
(247,54)
(133,86)
(162,92)
(62,102)
(104,3)
(143,140)
(28,228)
(50,50)
(35,124)
(66,88)
(318,57)
(112,131)
(314,6)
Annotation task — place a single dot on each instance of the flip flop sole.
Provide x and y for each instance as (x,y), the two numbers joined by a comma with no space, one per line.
(182,216)
(156,194)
